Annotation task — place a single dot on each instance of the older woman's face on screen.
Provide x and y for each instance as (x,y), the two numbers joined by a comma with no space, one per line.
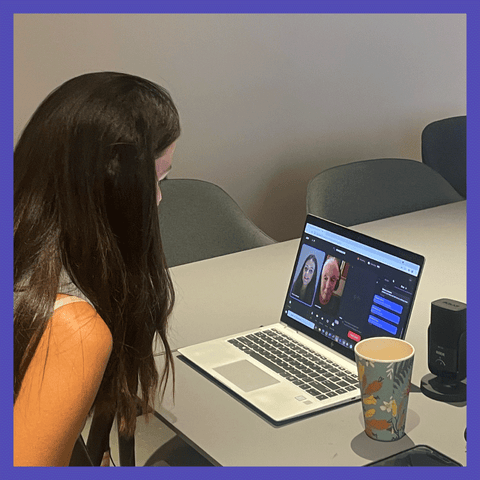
(163,165)
(329,278)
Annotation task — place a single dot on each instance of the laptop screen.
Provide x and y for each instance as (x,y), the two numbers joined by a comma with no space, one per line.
(346,286)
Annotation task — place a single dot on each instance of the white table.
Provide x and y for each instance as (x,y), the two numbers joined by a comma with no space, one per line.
(236,292)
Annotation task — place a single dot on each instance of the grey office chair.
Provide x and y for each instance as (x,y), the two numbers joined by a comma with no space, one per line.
(199,220)
(369,190)
(444,148)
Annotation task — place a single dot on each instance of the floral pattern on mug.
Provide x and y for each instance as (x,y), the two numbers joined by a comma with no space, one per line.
(385,410)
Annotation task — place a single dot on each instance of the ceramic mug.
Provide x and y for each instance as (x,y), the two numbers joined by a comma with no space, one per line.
(384,372)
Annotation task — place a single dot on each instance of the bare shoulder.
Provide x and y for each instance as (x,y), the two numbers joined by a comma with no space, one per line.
(77,324)
(60,385)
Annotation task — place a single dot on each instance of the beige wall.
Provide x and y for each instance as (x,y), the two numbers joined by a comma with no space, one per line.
(266,101)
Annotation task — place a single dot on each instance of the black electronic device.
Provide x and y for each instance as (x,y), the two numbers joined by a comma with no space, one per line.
(447,352)
(418,456)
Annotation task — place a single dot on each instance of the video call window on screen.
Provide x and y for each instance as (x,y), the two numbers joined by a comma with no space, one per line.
(349,294)
(320,280)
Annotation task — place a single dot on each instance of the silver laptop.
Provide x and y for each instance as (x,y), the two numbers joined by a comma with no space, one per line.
(344,287)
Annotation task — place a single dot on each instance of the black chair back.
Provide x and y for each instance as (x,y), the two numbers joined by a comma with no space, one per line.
(444,148)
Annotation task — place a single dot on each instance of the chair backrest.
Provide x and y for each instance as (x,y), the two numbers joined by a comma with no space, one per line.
(80,455)
(444,148)
(368,190)
(199,220)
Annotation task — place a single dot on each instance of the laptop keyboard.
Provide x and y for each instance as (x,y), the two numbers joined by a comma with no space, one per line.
(311,371)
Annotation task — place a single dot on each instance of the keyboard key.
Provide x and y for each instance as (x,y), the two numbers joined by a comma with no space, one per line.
(321,388)
(330,385)
(266,362)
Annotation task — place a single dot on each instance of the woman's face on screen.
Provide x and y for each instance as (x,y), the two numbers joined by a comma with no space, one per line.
(308,271)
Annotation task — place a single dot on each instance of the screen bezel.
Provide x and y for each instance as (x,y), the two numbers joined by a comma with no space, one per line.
(365,240)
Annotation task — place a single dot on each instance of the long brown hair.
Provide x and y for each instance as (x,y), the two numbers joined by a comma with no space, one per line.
(85,202)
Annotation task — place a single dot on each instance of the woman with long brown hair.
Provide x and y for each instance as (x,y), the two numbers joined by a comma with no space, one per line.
(91,285)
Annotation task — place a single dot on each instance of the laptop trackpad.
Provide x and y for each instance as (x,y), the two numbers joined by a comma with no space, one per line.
(246,375)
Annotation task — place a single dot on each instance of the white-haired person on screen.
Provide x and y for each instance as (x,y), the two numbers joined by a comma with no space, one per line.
(329,279)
